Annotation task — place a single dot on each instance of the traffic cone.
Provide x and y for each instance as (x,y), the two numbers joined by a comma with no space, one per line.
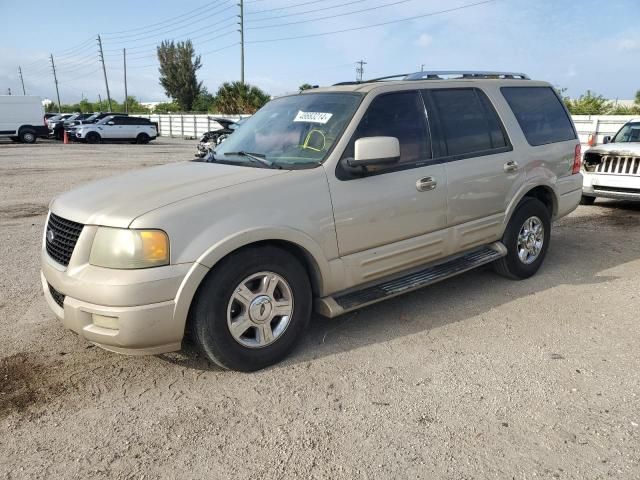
(66,137)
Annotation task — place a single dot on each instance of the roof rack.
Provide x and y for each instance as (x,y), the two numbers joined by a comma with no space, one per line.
(462,74)
(443,75)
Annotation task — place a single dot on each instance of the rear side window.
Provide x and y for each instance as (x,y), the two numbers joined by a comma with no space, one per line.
(540,113)
(467,122)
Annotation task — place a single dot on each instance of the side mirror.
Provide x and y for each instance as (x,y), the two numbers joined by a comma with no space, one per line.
(606,139)
(375,151)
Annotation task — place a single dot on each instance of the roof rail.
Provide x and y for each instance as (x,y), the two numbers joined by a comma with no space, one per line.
(463,74)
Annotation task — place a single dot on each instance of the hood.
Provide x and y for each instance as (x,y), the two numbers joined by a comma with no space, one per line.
(117,201)
(621,149)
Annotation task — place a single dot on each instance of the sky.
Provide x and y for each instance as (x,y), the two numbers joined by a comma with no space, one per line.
(573,44)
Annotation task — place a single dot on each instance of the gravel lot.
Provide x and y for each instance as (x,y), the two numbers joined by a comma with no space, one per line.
(476,377)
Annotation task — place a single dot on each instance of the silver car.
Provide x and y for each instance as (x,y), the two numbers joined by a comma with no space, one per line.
(612,170)
(327,200)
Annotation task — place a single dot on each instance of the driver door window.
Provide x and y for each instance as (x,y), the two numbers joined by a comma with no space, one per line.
(401,115)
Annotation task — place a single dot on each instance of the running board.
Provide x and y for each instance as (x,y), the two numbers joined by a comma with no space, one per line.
(345,302)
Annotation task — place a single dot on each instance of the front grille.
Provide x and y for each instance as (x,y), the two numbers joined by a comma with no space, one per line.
(618,165)
(61,237)
(57,296)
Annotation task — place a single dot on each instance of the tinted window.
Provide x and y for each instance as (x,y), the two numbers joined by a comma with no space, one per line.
(540,113)
(467,122)
(399,115)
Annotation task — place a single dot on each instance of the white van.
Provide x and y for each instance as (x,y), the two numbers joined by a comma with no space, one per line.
(22,118)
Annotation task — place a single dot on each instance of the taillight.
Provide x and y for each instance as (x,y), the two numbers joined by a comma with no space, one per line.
(577,159)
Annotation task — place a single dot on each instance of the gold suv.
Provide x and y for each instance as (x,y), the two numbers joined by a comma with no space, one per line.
(330,199)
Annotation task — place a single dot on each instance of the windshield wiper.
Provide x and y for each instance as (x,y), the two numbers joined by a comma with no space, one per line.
(256,157)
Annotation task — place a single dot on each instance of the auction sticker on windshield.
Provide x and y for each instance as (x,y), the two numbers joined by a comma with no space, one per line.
(313,117)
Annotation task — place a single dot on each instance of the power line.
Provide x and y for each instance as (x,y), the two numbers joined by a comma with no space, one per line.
(283,8)
(308,11)
(364,27)
(368,9)
(169,20)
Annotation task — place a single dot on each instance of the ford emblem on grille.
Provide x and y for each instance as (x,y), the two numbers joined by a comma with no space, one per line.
(50,235)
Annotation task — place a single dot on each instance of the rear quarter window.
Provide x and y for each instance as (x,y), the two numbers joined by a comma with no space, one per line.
(540,113)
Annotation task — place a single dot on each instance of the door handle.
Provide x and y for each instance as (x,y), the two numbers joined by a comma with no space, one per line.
(511,166)
(425,184)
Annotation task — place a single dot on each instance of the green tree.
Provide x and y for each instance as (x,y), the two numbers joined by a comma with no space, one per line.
(305,86)
(589,104)
(238,97)
(204,102)
(178,67)
(637,99)
(167,107)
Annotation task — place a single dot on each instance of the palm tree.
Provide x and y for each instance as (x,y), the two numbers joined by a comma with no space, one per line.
(238,97)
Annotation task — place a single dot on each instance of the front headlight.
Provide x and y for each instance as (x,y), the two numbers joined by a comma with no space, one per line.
(129,249)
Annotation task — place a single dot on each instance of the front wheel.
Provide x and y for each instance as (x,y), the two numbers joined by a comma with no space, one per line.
(93,137)
(252,308)
(527,239)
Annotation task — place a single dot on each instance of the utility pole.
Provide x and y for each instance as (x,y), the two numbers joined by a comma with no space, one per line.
(99,102)
(241,23)
(360,70)
(126,98)
(55,79)
(21,79)
(422,68)
(104,70)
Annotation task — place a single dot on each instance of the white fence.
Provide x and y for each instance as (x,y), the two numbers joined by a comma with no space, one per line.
(186,125)
(601,125)
(194,125)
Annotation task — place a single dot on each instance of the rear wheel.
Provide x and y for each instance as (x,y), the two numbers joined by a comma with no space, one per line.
(252,308)
(93,137)
(527,240)
(143,138)
(27,135)
(585,200)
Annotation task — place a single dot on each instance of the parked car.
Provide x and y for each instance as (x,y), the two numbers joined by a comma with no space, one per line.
(57,127)
(331,199)
(61,117)
(22,118)
(612,170)
(222,128)
(116,128)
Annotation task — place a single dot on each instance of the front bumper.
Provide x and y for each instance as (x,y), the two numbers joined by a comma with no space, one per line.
(146,309)
(619,187)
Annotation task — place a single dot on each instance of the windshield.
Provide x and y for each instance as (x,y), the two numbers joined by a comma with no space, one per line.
(629,133)
(294,130)
(93,117)
(104,120)
(72,118)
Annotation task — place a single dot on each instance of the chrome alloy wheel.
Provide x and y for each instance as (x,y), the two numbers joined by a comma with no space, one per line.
(260,309)
(530,240)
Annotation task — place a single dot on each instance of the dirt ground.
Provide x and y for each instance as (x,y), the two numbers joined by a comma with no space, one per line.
(476,377)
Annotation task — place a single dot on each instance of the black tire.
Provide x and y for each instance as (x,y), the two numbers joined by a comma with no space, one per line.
(586,200)
(60,135)
(511,266)
(27,135)
(208,320)
(143,138)
(93,137)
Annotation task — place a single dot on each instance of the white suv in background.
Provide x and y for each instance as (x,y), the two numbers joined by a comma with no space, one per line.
(612,170)
(116,128)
